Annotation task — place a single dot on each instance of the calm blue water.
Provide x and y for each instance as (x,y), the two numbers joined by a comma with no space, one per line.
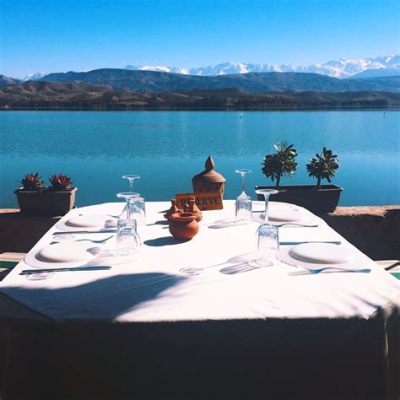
(168,148)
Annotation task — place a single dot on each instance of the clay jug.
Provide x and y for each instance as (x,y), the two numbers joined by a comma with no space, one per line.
(174,209)
(194,209)
(183,225)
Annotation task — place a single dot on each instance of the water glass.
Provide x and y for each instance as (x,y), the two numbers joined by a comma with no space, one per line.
(243,209)
(267,246)
(127,240)
(137,210)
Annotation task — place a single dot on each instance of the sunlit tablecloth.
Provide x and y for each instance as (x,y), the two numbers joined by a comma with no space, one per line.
(144,328)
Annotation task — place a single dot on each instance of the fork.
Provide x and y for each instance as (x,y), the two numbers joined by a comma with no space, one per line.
(307,271)
(296,224)
(90,240)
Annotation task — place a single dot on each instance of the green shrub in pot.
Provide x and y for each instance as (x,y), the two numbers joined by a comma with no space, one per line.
(281,163)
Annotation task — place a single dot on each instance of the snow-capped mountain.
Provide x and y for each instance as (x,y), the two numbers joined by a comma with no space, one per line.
(342,68)
(158,68)
(35,76)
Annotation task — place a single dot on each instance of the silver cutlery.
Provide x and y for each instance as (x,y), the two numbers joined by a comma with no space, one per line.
(84,232)
(312,271)
(294,224)
(316,270)
(42,270)
(292,243)
(89,240)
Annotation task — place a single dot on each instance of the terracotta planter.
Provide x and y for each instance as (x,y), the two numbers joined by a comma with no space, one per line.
(321,200)
(47,202)
(183,225)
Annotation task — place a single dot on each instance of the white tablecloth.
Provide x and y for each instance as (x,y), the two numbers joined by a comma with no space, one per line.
(146,330)
(152,287)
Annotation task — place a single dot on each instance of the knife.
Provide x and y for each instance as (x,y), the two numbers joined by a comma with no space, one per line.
(41,270)
(309,241)
(84,232)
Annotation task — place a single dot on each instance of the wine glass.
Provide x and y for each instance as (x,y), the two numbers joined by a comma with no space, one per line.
(266,193)
(131,178)
(243,208)
(127,196)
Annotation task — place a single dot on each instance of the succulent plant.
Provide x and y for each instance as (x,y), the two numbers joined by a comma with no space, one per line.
(281,163)
(60,182)
(32,182)
(323,166)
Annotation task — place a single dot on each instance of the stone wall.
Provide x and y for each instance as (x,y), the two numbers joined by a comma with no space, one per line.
(373,230)
(19,232)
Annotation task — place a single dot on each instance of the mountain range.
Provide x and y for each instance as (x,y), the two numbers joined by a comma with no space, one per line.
(144,88)
(252,82)
(342,68)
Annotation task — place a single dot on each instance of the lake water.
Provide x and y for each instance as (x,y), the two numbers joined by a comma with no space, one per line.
(168,148)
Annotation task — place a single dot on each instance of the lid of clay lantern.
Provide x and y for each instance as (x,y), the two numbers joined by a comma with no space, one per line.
(209,174)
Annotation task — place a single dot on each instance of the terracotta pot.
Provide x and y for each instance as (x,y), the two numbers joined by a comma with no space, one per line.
(183,225)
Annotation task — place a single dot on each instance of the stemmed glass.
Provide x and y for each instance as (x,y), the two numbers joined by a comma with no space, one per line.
(127,196)
(266,193)
(243,201)
(131,178)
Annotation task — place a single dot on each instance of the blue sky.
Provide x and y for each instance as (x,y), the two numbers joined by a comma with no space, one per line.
(63,35)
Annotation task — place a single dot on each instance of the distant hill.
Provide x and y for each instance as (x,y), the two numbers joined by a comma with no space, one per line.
(40,94)
(157,82)
(377,73)
(6,80)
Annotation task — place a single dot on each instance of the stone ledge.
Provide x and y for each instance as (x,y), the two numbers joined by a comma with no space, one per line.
(20,232)
(355,211)
(374,230)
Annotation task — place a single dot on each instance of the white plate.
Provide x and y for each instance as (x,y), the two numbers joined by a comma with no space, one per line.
(66,254)
(83,253)
(286,216)
(316,255)
(87,222)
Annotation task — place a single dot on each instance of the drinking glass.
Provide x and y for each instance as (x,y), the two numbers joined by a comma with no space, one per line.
(266,193)
(127,196)
(127,240)
(131,179)
(243,205)
(137,209)
(267,246)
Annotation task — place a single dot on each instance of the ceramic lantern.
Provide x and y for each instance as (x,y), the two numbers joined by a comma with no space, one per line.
(209,180)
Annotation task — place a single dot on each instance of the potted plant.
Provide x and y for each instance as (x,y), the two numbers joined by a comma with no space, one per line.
(34,198)
(323,166)
(316,198)
(281,163)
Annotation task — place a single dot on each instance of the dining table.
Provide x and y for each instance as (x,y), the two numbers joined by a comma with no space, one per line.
(194,319)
